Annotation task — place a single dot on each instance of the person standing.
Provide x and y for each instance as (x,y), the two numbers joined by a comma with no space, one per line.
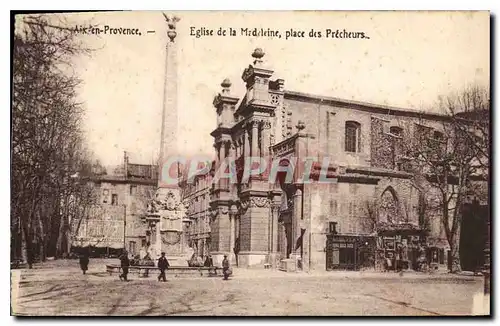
(162,266)
(225,268)
(210,264)
(84,262)
(209,261)
(124,263)
(236,250)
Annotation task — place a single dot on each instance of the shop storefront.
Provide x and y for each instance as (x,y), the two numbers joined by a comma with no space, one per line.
(349,252)
(400,247)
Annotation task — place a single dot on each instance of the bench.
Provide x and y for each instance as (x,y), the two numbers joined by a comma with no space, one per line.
(267,266)
(175,271)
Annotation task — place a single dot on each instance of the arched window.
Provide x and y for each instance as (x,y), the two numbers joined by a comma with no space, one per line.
(396,131)
(389,210)
(352,136)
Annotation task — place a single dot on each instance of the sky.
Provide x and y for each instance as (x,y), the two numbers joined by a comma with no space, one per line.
(409,60)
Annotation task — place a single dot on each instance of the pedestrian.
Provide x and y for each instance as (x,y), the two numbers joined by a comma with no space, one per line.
(225,268)
(162,266)
(124,263)
(209,261)
(210,264)
(236,250)
(84,262)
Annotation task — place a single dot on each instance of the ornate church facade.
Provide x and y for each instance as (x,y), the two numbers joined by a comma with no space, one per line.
(372,212)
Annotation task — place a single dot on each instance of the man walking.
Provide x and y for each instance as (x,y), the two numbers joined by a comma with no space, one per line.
(125,263)
(84,262)
(162,265)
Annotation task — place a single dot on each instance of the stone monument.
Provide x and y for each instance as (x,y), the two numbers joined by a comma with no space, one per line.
(166,212)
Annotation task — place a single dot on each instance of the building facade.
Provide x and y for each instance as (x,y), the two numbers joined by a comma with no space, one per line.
(364,217)
(196,194)
(115,220)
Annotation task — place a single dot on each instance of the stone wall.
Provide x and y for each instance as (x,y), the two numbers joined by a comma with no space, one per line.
(381,153)
(335,202)
(327,124)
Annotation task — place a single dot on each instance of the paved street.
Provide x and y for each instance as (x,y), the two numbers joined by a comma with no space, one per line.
(59,288)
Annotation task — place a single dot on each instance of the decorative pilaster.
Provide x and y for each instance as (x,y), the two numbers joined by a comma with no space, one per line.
(255,138)
(266,129)
(275,210)
(246,140)
(297,216)
(218,160)
(274,231)
(232,217)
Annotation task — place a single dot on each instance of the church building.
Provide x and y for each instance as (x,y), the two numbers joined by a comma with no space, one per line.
(360,220)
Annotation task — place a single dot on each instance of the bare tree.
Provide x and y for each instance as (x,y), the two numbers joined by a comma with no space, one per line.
(445,158)
(370,210)
(47,139)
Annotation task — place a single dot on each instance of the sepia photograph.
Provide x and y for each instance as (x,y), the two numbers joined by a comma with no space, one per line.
(250,163)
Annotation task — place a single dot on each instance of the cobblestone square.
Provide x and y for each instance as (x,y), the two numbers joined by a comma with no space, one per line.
(59,288)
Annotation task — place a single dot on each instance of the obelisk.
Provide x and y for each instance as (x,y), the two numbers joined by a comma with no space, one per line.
(168,146)
(169,237)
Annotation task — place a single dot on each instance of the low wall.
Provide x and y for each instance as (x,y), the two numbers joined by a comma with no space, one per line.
(172,272)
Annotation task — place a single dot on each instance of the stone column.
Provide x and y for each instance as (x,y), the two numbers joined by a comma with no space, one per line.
(219,158)
(237,226)
(275,232)
(231,238)
(246,151)
(296,217)
(255,138)
(231,160)
(233,211)
(235,149)
(266,128)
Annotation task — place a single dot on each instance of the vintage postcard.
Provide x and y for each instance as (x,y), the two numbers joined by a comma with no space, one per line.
(312,163)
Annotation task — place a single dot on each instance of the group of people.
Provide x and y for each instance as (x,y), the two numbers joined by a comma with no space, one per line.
(399,259)
(201,261)
(163,265)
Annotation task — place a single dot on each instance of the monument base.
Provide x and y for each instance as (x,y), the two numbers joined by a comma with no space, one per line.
(176,261)
(218,257)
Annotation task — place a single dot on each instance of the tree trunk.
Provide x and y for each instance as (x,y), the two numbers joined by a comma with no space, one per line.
(28,245)
(62,238)
(455,252)
(42,240)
